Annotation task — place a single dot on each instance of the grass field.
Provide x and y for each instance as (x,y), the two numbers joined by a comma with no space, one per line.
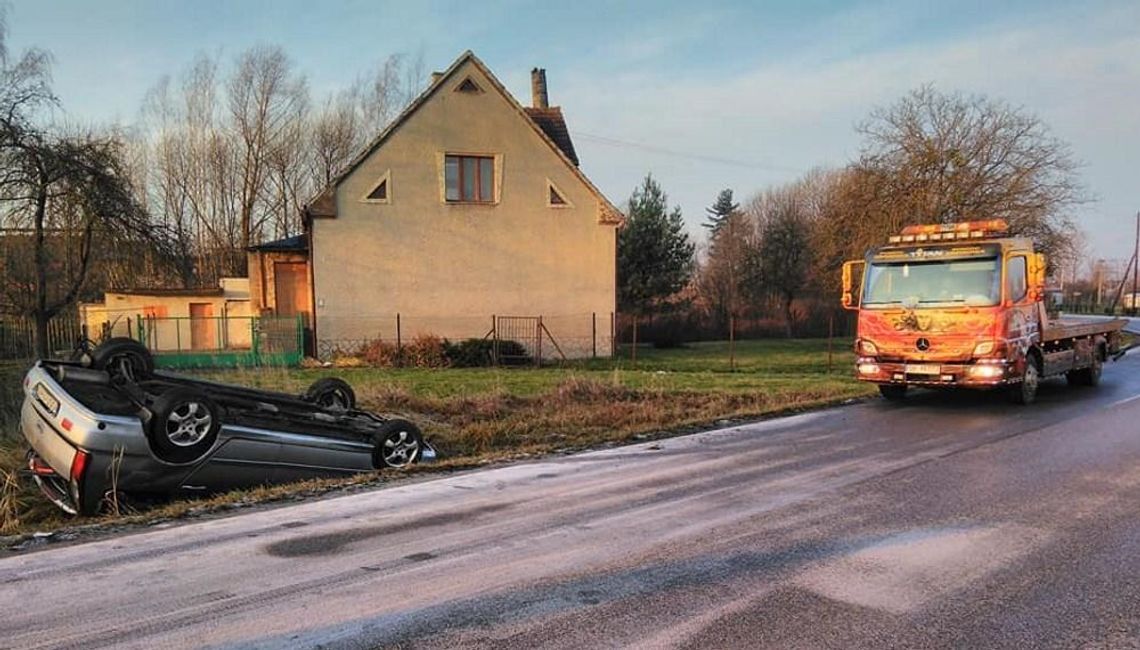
(482,414)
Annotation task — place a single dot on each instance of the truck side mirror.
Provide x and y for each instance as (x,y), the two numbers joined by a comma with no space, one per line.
(852,271)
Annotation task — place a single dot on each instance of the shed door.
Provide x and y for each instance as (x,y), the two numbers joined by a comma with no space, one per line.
(203,333)
(290,282)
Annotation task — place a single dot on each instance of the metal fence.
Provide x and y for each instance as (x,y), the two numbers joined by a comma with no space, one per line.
(18,335)
(543,337)
(220,341)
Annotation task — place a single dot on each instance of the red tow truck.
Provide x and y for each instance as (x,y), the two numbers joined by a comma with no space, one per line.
(963,306)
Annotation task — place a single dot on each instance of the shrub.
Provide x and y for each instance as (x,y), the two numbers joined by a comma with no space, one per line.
(475,353)
(379,353)
(426,351)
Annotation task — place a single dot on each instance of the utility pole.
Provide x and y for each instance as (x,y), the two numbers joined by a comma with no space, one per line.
(1136,257)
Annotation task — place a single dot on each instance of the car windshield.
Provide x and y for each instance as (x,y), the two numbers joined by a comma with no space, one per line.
(972,282)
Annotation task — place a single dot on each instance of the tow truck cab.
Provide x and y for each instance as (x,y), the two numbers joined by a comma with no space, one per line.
(962,305)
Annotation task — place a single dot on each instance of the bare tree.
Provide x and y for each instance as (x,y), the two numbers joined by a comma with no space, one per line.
(265,99)
(783,264)
(938,158)
(69,196)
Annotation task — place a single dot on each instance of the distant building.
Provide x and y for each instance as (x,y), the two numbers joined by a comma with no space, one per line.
(200,319)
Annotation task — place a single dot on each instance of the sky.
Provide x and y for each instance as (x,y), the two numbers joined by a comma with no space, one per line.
(706,96)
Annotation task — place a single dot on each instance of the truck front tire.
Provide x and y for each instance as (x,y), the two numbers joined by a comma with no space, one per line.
(1025,391)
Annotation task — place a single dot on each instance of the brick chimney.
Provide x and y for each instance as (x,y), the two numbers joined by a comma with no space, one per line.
(538,88)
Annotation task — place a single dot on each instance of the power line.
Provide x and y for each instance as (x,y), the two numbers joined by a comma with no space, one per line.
(614,142)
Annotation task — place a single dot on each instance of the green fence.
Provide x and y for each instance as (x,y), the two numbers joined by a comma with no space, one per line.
(222,341)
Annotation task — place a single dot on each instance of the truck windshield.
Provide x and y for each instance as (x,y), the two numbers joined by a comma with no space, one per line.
(973,282)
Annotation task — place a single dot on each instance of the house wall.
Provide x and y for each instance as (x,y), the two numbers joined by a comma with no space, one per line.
(447,268)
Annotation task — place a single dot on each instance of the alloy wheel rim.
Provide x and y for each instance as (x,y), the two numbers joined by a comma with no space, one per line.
(400,449)
(188,424)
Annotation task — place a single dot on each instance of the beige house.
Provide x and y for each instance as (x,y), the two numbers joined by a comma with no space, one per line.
(468,206)
(200,319)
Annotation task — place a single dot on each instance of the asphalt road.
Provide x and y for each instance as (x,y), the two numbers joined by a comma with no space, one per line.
(956,520)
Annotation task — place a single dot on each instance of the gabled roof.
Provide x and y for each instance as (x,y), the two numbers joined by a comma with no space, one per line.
(324,203)
(294,243)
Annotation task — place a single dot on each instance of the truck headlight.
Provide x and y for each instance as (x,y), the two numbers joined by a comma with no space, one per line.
(987,371)
(868,369)
(868,348)
(982,349)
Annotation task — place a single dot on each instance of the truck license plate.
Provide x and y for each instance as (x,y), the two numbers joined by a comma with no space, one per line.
(923,369)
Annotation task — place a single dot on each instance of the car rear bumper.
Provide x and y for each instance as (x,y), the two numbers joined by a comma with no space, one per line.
(56,488)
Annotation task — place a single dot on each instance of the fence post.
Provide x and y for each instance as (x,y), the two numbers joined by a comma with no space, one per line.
(633,349)
(613,334)
(538,346)
(594,334)
(494,340)
(732,342)
(399,342)
(830,336)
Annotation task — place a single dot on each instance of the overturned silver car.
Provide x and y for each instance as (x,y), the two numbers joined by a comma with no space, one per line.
(112,423)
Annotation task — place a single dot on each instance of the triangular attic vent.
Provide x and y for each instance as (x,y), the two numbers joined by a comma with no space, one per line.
(554,197)
(468,86)
(380,192)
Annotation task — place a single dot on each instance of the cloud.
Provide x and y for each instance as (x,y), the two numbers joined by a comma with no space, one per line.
(799,111)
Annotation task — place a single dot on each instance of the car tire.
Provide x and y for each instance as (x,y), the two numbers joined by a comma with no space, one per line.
(399,444)
(183,425)
(331,393)
(124,359)
(892,392)
(1025,391)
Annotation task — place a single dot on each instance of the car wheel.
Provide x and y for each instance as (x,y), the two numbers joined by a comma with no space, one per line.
(331,393)
(399,443)
(1025,391)
(183,426)
(892,393)
(123,359)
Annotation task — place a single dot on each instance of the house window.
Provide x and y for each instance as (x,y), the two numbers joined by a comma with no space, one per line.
(469,179)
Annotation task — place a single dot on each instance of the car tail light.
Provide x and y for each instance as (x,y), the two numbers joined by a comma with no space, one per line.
(79,465)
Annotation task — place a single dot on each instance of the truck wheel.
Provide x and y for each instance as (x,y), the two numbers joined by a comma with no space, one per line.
(184,425)
(892,392)
(1087,376)
(331,393)
(398,444)
(1025,391)
(123,359)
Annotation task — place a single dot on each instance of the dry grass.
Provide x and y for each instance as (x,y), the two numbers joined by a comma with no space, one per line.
(477,416)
